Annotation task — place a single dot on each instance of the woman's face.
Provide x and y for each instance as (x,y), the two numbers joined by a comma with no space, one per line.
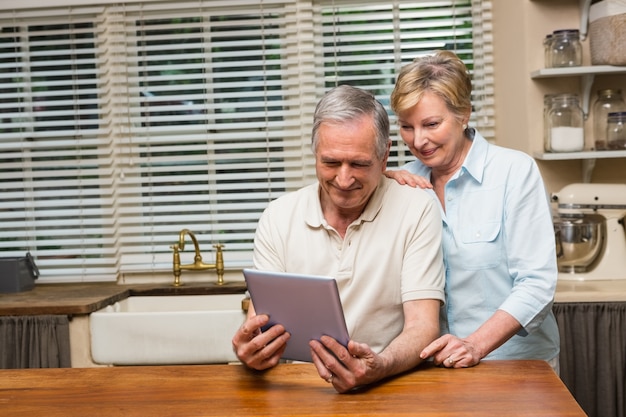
(434,134)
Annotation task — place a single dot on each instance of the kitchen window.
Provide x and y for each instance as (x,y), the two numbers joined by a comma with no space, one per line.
(125,122)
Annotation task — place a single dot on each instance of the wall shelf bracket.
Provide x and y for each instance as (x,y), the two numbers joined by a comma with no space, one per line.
(588,166)
(584,17)
(586,82)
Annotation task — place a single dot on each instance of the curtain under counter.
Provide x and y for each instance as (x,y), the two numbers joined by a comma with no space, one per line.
(34,342)
(593,355)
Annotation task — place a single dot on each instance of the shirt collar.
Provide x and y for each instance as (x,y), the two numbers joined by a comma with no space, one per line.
(476,158)
(315,218)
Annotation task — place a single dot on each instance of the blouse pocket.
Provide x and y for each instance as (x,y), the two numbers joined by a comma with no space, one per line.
(480,231)
(480,245)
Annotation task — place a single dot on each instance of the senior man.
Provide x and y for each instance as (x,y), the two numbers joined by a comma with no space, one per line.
(380,240)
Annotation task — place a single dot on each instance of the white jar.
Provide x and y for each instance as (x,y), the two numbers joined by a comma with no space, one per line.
(565,121)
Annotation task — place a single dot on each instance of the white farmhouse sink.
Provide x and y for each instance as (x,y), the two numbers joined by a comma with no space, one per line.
(173,329)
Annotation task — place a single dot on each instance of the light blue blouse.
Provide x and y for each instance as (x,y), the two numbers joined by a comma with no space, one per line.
(499,249)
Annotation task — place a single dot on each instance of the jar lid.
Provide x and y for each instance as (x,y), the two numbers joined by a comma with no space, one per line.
(564,98)
(566,32)
(565,95)
(619,116)
(547,98)
(610,92)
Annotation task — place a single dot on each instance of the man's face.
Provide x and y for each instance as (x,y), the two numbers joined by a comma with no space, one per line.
(347,167)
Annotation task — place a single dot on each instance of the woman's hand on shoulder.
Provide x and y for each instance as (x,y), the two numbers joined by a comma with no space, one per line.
(404,177)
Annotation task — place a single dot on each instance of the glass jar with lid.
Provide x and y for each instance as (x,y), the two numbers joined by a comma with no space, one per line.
(566,48)
(608,101)
(565,122)
(616,130)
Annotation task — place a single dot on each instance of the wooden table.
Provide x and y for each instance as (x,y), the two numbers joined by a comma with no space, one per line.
(493,388)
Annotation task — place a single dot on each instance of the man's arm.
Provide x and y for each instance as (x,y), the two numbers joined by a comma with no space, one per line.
(421,327)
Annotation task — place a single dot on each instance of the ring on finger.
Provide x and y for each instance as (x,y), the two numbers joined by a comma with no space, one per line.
(330,379)
(450,361)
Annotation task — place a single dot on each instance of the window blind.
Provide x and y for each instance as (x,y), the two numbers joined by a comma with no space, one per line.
(125,122)
(367,44)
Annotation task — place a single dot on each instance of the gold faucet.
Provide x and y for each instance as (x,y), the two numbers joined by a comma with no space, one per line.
(197,265)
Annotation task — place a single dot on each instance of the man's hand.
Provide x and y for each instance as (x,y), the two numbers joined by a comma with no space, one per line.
(345,369)
(259,350)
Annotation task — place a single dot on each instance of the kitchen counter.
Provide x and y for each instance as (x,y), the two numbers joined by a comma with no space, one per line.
(590,291)
(85,298)
(66,299)
(493,388)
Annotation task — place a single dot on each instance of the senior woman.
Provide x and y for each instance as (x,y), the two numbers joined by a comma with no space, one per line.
(498,239)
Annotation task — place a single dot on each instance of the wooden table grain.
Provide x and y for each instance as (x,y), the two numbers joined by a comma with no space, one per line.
(493,388)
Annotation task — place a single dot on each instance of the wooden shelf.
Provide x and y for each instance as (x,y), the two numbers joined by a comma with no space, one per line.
(588,159)
(586,74)
(562,156)
(577,71)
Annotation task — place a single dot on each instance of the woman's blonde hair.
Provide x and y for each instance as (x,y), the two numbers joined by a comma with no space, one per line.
(442,73)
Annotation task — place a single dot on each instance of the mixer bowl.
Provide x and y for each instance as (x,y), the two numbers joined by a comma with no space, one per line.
(579,242)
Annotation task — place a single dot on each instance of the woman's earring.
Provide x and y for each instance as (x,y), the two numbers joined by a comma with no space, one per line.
(464,127)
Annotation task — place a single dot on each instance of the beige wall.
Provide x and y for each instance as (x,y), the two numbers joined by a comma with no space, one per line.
(519,29)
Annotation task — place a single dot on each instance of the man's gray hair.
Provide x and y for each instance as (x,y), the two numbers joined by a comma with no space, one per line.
(346,103)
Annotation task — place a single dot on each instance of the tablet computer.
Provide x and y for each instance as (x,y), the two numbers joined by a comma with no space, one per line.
(308,306)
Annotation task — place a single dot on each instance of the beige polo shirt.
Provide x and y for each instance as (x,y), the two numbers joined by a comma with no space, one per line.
(390,254)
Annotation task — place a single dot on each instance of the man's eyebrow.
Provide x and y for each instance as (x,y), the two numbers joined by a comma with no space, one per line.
(328,159)
(361,161)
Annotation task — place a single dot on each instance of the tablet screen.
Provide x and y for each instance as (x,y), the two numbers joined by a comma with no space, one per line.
(308,306)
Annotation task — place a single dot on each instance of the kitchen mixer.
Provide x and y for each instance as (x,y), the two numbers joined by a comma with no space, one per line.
(591,231)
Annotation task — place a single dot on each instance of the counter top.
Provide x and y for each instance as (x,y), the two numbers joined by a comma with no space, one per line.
(62,299)
(85,298)
(493,388)
(590,291)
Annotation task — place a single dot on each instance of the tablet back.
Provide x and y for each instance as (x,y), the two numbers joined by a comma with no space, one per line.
(308,306)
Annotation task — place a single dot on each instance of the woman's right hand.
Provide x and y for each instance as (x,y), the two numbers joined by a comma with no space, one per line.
(404,177)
